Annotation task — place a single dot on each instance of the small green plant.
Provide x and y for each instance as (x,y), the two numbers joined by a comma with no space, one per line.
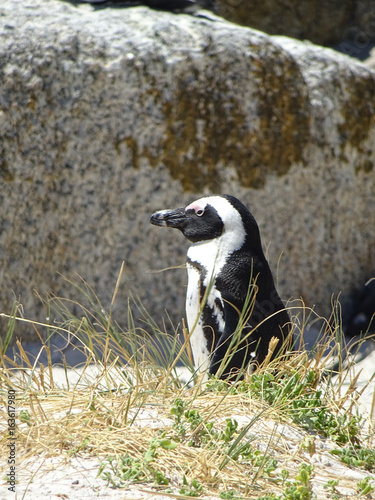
(229,495)
(202,432)
(364,487)
(82,446)
(121,470)
(284,475)
(155,443)
(159,477)
(25,417)
(330,486)
(257,459)
(308,444)
(300,488)
(191,426)
(356,456)
(306,405)
(229,431)
(192,489)
(178,410)
(190,422)
(128,469)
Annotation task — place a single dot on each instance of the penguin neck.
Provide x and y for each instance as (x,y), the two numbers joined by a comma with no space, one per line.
(213,254)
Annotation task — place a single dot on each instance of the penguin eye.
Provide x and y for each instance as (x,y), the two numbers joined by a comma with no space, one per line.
(200,212)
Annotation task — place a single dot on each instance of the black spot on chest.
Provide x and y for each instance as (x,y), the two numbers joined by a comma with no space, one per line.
(210,327)
(202,276)
(208,317)
(219,305)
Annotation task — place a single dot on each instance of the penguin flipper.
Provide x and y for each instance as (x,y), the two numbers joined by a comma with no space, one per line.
(232,352)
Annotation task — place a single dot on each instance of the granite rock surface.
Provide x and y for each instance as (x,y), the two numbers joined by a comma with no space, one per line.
(107,115)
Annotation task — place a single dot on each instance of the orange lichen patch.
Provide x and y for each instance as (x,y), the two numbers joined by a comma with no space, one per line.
(208,127)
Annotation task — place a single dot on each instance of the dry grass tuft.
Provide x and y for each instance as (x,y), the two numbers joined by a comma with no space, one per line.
(128,407)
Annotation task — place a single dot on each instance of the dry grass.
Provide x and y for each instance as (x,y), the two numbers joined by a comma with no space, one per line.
(124,410)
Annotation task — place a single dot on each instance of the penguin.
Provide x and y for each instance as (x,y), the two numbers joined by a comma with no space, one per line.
(232,306)
(360,318)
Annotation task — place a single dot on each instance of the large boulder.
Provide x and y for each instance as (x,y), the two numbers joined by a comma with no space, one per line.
(107,115)
(312,19)
(324,22)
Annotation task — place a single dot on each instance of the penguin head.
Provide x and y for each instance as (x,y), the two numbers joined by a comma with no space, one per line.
(209,218)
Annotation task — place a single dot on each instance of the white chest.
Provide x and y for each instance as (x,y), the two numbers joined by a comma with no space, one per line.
(198,341)
(209,259)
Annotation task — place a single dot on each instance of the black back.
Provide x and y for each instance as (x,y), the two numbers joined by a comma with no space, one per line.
(246,277)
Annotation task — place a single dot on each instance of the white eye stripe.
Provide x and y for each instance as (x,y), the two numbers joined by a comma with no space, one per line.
(197,207)
(234,234)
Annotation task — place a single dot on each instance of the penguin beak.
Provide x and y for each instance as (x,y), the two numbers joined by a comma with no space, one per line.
(170,218)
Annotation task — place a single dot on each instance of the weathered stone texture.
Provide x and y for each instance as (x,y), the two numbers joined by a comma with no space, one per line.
(324,22)
(108,115)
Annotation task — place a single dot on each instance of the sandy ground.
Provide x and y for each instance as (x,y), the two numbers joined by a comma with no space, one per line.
(76,478)
(53,478)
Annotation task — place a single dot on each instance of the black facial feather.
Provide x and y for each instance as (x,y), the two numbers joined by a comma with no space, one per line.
(202,228)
